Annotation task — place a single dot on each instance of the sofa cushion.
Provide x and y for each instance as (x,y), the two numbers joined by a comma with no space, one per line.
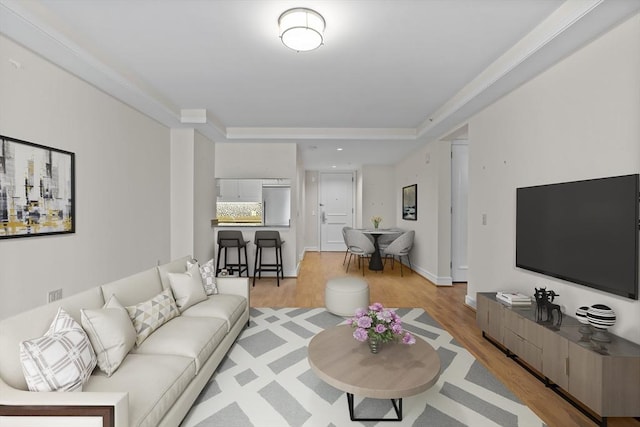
(134,289)
(208,274)
(187,287)
(150,315)
(176,266)
(194,337)
(154,383)
(111,333)
(222,306)
(61,360)
(34,323)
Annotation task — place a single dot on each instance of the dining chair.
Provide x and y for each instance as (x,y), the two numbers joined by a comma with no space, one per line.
(384,240)
(400,247)
(344,237)
(360,246)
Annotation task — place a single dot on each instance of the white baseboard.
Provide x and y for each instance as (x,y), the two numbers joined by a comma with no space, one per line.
(470,301)
(436,280)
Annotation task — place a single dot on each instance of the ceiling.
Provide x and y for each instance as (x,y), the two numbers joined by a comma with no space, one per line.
(391,75)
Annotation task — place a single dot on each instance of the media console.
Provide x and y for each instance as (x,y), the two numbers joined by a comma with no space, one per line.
(605,379)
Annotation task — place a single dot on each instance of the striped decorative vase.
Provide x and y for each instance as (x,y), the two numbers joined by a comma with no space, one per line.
(601,318)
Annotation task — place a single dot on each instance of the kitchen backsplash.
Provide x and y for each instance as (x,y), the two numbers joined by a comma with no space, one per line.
(241,212)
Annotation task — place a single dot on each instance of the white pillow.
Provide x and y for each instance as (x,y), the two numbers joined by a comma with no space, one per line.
(61,360)
(111,333)
(151,314)
(208,273)
(187,287)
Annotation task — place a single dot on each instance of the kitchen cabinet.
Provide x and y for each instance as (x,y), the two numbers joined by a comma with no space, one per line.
(239,190)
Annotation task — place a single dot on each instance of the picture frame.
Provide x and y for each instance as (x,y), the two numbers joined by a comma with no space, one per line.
(37,189)
(410,202)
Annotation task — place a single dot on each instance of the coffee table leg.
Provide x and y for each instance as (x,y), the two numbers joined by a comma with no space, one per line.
(397,406)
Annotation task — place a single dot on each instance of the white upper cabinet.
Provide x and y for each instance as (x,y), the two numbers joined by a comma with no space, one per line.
(239,190)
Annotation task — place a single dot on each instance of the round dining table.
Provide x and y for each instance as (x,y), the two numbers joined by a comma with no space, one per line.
(375,263)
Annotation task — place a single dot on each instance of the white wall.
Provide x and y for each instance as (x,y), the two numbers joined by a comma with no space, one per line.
(258,160)
(311,241)
(122,182)
(181,189)
(578,120)
(301,220)
(430,168)
(204,200)
(379,195)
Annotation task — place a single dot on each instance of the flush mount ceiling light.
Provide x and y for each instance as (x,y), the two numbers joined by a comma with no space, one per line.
(301,29)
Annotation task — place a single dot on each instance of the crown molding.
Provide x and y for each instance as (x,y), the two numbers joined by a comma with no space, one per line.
(321,133)
(557,23)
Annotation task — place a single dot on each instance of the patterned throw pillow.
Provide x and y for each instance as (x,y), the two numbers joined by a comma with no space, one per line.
(208,273)
(150,315)
(61,360)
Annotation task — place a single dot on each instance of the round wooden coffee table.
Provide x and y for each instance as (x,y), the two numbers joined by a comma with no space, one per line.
(396,371)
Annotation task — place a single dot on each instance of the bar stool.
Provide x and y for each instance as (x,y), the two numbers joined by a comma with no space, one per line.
(232,239)
(268,239)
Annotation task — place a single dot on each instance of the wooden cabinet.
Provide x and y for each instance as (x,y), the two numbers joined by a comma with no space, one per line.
(555,358)
(523,338)
(489,318)
(605,378)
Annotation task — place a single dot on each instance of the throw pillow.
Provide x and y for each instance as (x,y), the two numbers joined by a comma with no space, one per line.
(187,287)
(151,314)
(208,273)
(61,360)
(111,333)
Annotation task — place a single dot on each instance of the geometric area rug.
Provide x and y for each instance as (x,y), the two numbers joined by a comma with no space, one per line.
(266,381)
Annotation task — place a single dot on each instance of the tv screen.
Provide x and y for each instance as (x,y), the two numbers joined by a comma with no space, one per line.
(585,232)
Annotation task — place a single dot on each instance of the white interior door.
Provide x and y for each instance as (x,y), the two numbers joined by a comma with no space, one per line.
(335,208)
(459,190)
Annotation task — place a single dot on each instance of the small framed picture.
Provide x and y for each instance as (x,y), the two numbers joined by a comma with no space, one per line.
(410,202)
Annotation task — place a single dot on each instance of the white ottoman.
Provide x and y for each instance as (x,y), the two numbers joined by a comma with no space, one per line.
(343,295)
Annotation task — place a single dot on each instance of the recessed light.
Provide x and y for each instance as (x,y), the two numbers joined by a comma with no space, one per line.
(339,149)
(334,166)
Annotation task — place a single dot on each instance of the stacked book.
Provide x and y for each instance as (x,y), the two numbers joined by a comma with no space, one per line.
(513,298)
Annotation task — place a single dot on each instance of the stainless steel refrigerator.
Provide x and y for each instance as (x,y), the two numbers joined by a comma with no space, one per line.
(276,206)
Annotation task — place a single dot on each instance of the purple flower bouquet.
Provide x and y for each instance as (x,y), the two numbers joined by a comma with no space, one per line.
(380,324)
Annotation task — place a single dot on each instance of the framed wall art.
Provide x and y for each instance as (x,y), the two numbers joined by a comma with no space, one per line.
(410,202)
(37,189)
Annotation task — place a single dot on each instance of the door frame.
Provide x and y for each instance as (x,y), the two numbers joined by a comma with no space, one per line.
(461,277)
(319,194)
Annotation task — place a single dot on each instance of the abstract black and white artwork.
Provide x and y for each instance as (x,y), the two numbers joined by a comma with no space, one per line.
(410,202)
(36,189)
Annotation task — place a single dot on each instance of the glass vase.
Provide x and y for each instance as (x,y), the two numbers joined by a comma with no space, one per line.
(374,345)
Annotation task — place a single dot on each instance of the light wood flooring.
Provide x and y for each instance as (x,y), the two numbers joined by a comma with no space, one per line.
(445,304)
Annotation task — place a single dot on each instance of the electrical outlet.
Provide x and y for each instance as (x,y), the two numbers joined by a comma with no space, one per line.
(54,295)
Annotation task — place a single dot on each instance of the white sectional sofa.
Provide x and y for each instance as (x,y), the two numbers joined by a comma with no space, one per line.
(157,381)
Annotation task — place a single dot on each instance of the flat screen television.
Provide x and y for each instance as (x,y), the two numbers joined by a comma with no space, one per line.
(584,232)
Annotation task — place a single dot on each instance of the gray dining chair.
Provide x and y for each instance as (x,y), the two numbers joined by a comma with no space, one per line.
(400,247)
(360,246)
(384,240)
(344,237)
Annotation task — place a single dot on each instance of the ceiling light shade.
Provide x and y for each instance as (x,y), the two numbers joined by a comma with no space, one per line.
(301,29)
